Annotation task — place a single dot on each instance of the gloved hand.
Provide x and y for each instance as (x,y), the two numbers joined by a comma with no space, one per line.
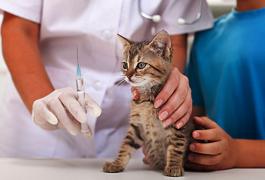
(61,109)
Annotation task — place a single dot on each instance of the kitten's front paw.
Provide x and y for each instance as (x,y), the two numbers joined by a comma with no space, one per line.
(174,171)
(112,167)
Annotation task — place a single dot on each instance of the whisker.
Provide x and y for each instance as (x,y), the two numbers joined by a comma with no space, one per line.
(120,82)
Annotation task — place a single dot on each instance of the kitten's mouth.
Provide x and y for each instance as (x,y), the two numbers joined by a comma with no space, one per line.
(141,83)
(138,83)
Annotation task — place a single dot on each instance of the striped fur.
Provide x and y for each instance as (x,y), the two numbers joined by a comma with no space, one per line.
(165,148)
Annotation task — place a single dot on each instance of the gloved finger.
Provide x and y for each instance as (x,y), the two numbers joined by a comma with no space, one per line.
(46,125)
(41,114)
(67,120)
(72,105)
(92,107)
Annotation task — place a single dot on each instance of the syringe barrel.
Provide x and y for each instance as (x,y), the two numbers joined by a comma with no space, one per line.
(80,86)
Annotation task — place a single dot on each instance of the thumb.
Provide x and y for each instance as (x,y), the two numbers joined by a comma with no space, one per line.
(205,122)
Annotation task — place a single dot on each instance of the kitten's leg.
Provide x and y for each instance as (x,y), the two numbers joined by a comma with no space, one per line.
(132,142)
(175,155)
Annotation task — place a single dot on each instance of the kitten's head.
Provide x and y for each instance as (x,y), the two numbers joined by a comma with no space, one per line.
(146,64)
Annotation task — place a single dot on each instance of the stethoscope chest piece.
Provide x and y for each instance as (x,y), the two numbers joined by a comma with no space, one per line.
(156,18)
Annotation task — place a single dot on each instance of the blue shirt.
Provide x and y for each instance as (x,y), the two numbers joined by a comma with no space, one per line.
(227,73)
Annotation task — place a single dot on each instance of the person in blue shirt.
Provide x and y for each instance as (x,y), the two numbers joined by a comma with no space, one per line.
(226,73)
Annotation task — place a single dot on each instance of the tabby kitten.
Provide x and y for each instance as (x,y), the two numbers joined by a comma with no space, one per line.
(146,66)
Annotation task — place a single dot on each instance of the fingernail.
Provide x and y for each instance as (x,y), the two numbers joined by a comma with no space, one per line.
(179,125)
(167,123)
(192,147)
(163,115)
(158,103)
(195,134)
(53,121)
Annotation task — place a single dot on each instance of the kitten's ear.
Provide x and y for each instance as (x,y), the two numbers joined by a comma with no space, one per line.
(125,42)
(161,42)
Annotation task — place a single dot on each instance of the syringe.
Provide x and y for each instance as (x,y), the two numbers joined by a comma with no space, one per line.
(80,88)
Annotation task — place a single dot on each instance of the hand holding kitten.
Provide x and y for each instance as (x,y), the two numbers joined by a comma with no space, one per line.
(174,99)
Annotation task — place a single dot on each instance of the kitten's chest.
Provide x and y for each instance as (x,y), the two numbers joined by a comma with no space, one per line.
(148,121)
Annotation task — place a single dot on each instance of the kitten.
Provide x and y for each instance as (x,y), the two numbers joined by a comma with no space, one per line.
(146,66)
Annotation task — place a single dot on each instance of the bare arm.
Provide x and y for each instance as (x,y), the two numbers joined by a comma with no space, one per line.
(179,47)
(20,40)
(250,153)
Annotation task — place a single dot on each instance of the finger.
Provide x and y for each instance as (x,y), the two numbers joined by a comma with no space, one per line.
(67,120)
(181,122)
(41,113)
(205,122)
(44,118)
(207,134)
(181,115)
(170,86)
(86,130)
(40,116)
(176,100)
(46,125)
(68,99)
(207,160)
(92,107)
(198,167)
(213,148)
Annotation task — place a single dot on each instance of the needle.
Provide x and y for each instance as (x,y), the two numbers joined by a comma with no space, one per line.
(80,88)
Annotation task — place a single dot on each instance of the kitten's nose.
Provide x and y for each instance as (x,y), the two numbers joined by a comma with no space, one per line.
(129,75)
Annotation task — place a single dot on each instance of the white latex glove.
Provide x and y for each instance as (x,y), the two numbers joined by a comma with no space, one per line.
(61,109)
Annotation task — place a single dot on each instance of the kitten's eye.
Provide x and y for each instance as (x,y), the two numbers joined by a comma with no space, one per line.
(141,65)
(124,65)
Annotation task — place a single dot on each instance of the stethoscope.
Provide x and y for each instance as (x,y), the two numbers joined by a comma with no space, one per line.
(156,18)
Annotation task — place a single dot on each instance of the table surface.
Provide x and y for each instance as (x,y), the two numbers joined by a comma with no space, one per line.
(43,169)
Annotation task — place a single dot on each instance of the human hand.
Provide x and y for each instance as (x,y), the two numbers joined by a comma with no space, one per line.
(61,109)
(175,100)
(218,153)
